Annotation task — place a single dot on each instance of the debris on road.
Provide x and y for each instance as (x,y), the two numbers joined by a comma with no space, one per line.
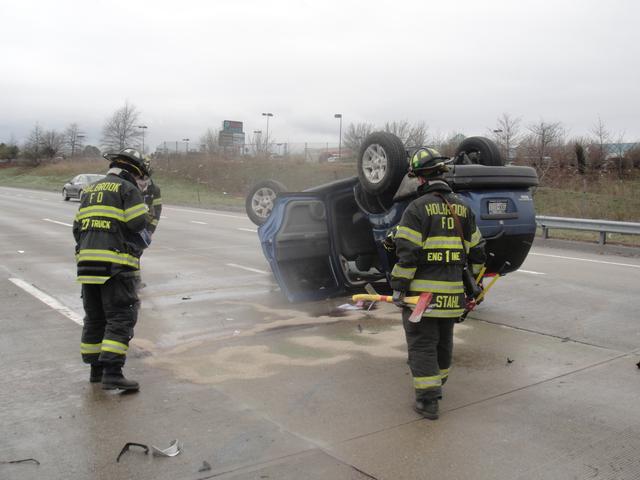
(186,298)
(24,460)
(348,306)
(174,448)
(126,447)
(205,467)
(509,361)
(638,364)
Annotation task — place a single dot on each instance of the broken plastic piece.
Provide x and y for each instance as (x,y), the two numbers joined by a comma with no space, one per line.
(174,448)
(132,444)
(205,467)
(348,306)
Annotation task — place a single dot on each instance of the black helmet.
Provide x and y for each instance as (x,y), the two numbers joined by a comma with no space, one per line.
(130,157)
(427,162)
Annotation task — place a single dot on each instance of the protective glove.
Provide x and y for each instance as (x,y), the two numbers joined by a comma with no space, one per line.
(398,298)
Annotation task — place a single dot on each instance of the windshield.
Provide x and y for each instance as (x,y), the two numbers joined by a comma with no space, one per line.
(94,178)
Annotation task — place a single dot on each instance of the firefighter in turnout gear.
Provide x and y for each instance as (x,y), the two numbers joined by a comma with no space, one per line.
(432,252)
(151,195)
(107,230)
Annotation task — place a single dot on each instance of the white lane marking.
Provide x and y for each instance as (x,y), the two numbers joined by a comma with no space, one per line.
(206,212)
(47,300)
(59,223)
(252,230)
(249,269)
(199,223)
(585,260)
(531,272)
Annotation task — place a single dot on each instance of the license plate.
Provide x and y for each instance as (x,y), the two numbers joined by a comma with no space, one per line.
(497,207)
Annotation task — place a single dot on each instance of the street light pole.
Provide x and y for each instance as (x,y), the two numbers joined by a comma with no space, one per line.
(76,141)
(186,140)
(268,114)
(143,128)
(339,115)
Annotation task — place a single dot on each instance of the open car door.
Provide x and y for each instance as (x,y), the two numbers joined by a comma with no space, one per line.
(297,243)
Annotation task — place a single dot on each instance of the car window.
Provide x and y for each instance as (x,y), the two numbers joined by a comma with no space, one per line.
(77,179)
(94,178)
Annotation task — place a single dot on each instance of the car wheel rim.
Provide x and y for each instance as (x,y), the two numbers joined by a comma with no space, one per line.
(374,163)
(262,202)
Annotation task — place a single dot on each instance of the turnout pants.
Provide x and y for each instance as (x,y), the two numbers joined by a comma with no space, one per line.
(430,345)
(111,312)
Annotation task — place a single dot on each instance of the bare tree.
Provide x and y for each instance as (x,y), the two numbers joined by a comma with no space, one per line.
(449,144)
(600,138)
(544,136)
(32,148)
(355,134)
(52,143)
(73,138)
(209,141)
(119,131)
(507,135)
(413,135)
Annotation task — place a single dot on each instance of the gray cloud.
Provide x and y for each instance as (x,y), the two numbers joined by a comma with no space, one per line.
(189,65)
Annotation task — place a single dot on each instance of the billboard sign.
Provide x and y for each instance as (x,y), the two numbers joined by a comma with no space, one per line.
(232,126)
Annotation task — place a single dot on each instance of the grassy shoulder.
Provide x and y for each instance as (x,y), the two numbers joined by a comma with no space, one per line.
(223,184)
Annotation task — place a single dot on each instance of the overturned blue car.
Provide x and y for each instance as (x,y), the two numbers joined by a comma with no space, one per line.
(328,240)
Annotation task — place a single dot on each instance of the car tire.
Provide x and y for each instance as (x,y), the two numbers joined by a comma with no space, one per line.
(382,163)
(65,197)
(260,200)
(479,150)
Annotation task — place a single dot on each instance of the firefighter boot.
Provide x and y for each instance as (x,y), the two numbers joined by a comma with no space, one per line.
(96,373)
(113,379)
(428,409)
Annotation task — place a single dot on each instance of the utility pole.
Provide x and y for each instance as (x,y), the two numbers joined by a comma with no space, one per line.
(268,114)
(143,128)
(339,115)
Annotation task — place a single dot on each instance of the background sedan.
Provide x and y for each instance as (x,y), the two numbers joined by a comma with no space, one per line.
(73,188)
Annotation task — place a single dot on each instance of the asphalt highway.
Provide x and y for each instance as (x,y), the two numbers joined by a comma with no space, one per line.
(544,382)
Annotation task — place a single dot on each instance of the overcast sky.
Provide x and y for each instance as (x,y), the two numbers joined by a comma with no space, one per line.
(187,65)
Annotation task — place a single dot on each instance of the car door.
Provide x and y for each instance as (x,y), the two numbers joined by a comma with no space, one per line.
(297,242)
(76,184)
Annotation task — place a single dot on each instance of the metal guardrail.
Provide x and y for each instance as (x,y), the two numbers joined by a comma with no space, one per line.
(601,226)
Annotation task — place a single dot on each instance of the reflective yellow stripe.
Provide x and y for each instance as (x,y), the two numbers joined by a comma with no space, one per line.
(444,313)
(409,234)
(422,383)
(436,286)
(475,240)
(100,211)
(156,201)
(154,222)
(89,348)
(444,373)
(402,272)
(114,347)
(89,255)
(135,211)
(92,279)
(442,242)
